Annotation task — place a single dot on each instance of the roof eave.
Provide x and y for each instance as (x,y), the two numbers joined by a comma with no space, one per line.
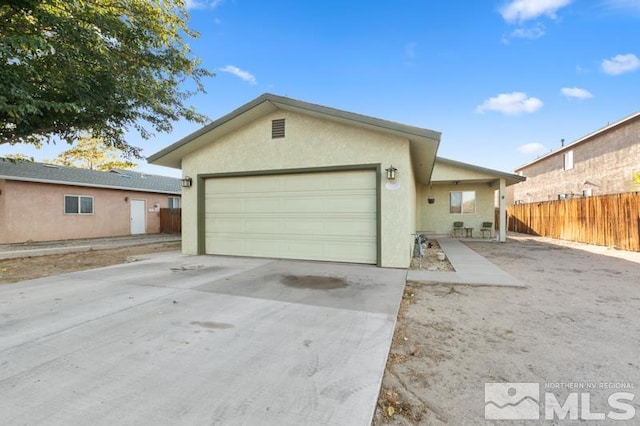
(510,178)
(87,185)
(172,155)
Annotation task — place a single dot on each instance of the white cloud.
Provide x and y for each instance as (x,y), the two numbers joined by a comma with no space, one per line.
(510,104)
(524,10)
(241,74)
(532,148)
(576,93)
(620,64)
(202,4)
(532,33)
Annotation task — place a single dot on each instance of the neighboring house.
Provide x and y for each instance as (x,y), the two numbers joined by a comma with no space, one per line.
(44,202)
(606,161)
(283,178)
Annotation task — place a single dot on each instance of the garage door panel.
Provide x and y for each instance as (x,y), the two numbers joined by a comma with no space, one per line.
(350,228)
(317,225)
(357,203)
(262,205)
(303,204)
(223,205)
(225,225)
(310,227)
(320,216)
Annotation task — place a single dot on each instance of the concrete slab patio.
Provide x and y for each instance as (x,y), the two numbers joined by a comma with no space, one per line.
(177,340)
(470,268)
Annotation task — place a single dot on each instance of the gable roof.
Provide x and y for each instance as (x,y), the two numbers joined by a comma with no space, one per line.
(423,142)
(28,171)
(583,139)
(475,174)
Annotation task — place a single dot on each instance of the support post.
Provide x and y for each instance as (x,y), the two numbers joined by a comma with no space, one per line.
(503,210)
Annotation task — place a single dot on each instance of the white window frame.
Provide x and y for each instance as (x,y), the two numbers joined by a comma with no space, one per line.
(170,202)
(568,160)
(462,200)
(79,198)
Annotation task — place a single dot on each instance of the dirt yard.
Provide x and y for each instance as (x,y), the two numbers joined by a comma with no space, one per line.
(430,261)
(577,322)
(13,270)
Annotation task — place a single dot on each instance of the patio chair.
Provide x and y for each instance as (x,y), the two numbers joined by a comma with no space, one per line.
(486,227)
(458,229)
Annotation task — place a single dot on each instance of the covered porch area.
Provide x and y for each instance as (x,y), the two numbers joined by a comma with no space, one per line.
(466,196)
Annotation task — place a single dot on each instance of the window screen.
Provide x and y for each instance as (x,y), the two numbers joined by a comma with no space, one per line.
(78,204)
(174,202)
(462,202)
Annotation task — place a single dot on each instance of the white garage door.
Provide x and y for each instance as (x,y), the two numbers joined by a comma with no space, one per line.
(317,216)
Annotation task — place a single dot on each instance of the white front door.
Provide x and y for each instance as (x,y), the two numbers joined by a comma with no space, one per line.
(137,217)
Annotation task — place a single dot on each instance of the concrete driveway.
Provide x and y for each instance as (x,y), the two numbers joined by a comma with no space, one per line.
(177,340)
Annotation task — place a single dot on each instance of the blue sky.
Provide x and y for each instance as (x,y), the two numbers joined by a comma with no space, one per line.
(504,81)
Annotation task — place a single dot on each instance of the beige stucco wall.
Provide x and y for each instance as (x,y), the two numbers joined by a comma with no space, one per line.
(35,211)
(607,161)
(310,142)
(435,218)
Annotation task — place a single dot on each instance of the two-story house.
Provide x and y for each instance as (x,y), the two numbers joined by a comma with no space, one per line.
(606,161)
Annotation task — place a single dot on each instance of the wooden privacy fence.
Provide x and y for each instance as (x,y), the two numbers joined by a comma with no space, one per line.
(171,221)
(606,220)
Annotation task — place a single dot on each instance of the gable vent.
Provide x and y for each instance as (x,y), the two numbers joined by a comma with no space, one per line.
(277,128)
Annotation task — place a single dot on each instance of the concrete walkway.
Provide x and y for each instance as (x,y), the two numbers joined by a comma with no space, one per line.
(470,268)
(31,249)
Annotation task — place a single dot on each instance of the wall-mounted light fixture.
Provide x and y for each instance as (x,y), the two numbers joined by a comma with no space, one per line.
(126,199)
(187,182)
(391,172)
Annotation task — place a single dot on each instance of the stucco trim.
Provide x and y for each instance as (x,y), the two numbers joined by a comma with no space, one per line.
(201,178)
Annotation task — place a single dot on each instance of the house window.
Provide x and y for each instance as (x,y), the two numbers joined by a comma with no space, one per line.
(568,160)
(462,202)
(277,128)
(78,204)
(174,202)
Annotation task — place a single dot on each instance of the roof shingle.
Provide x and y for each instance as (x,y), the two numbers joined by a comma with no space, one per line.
(116,179)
